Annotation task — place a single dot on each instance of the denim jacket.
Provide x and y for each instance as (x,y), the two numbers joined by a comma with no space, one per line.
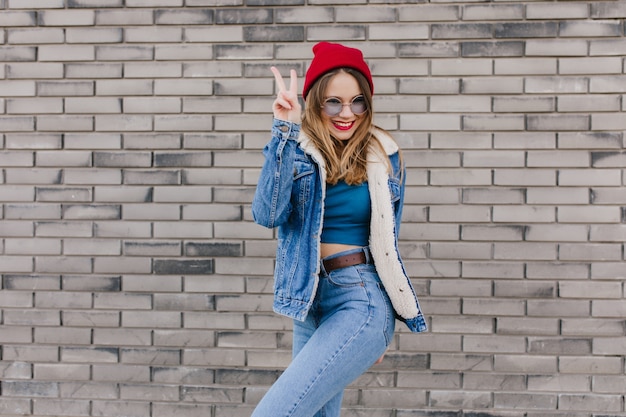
(290,196)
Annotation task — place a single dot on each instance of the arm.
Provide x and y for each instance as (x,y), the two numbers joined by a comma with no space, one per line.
(271,205)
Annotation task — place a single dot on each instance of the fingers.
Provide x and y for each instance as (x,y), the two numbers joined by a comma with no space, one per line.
(279,79)
(293,88)
(293,82)
(282,102)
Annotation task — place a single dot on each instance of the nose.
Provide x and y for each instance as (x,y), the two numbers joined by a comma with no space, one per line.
(346,110)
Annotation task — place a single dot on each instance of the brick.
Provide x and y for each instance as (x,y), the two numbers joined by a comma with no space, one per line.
(185,267)
(32,246)
(607,121)
(594,65)
(153,34)
(127,229)
(524,104)
(556,85)
(16,159)
(492,49)
(127,265)
(525,177)
(607,47)
(525,66)
(401,32)
(565,47)
(120,159)
(95,3)
(523,326)
(140,392)
(36,141)
(562,233)
(91,247)
(16,299)
(93,176)
(26,4)
(93,70)
(186,52)
(492,85)
(31,282)
(91,319)
(36,389)
(493,12)
(59,335)
(17,228)
(152,141)
(151,248)
(68,52)
(588,104)
(65,88)
(38,70)
(526,30)
(594,28)
(150,106)
(18,18)
(523,250)
(93,105)
(526,214)
(59,372)
(124,87)
(34,106)
(610,270)
(557,11)
(461,31)
(15,370)
(489,233)
(429,49)
(18,124)
(140,177)
(92,283)
(65,123)
(93,35)
(606,84)
(190,410)
(590,140)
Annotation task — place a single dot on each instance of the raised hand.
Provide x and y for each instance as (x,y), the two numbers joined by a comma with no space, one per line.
(286,106)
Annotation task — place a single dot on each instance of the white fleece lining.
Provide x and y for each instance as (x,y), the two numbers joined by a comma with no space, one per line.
(383,243)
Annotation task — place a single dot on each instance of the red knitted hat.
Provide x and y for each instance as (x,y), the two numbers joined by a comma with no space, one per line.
(328,56)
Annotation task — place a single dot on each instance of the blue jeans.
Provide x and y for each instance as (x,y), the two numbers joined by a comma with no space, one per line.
(349,326)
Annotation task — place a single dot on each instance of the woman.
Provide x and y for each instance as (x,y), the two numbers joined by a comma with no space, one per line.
(333,185)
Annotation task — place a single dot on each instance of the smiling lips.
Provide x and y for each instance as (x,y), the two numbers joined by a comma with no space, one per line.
(343,125)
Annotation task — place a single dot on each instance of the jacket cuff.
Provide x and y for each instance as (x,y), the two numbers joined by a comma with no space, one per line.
(285,129)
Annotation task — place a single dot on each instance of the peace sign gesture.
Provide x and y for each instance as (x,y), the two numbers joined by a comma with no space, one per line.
(286,106)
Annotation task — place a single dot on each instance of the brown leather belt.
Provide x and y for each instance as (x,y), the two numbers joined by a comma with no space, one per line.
(345,261)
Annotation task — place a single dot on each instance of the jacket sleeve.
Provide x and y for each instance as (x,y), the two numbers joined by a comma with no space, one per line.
(400,175)
(271,205)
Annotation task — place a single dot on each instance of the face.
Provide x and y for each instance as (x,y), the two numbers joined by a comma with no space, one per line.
(343,87)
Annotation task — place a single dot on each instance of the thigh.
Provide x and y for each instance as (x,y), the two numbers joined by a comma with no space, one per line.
(347,332)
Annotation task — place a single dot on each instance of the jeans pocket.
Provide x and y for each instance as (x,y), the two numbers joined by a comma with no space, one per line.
(345,277)
(390,318)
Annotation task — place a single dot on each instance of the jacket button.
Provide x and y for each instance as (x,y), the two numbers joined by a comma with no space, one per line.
(284,129)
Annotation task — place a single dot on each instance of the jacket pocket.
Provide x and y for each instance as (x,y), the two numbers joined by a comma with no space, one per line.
(303,171)
(394,189)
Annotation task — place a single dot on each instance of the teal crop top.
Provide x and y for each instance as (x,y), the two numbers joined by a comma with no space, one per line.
(347,213)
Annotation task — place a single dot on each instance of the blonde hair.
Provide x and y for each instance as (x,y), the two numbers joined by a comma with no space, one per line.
(349,165)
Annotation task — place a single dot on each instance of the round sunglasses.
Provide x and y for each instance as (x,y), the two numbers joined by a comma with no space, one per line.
(333,106)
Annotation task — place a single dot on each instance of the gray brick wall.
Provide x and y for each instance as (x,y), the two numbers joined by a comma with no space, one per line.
(134,282)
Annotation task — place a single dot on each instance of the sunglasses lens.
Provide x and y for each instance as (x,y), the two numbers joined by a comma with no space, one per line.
(358,105)
(332,107)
